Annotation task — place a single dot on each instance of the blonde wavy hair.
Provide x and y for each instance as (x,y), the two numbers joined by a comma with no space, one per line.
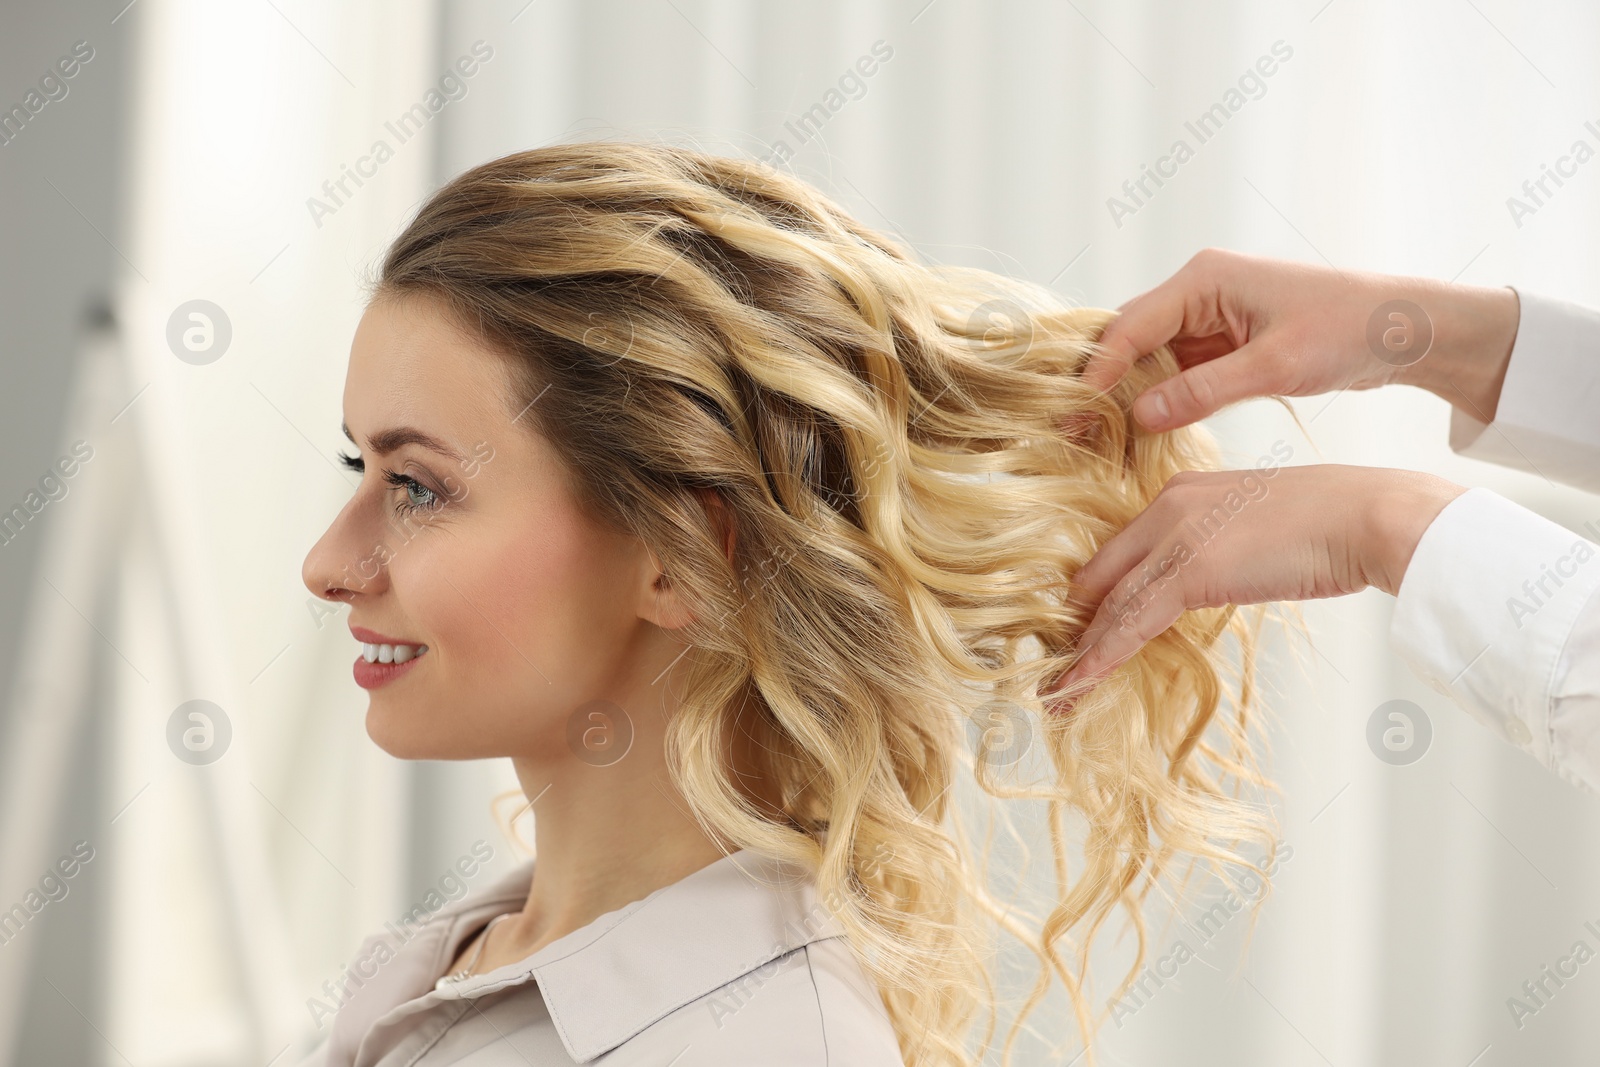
(913,472)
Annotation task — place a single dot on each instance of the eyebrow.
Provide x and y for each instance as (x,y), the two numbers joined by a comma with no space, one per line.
(386,441)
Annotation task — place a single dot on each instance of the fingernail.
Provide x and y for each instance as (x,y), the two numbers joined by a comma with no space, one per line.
(1155,409)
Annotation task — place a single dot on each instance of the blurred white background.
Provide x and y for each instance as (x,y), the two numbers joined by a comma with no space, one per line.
(181,164)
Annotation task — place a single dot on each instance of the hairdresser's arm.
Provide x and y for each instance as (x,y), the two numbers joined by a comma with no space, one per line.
(1497,607)
(1246,326)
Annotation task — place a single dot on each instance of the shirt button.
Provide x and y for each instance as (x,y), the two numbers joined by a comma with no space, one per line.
(1517,730)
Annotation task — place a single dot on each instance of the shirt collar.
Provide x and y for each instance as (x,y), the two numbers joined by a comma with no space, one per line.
(607,981)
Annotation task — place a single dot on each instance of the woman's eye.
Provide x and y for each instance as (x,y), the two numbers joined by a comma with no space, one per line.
(418,497)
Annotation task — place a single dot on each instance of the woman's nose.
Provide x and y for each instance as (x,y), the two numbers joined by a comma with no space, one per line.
(350,558)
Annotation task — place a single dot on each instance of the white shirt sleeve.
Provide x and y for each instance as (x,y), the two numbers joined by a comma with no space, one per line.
(1500,611)
(1547,420)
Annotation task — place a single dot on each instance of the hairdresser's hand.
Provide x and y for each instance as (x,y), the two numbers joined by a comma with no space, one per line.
(1212,538)
(1246,326)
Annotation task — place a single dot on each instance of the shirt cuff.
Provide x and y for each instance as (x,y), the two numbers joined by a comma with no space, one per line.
(1485,608)
(1544,421)
(1575,709)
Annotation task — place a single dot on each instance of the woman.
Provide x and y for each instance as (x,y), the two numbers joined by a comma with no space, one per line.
(729,523)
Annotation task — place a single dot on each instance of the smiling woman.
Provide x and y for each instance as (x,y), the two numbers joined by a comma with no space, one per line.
(789,513)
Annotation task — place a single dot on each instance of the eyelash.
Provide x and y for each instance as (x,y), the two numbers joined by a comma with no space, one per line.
(399,481)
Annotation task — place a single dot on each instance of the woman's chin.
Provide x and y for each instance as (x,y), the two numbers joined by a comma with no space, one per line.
(402,738)
(409,732)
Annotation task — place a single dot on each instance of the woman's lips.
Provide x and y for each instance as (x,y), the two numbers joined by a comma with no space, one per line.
(372,675)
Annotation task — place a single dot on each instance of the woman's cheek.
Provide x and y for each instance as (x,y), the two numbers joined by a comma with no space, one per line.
(531,593)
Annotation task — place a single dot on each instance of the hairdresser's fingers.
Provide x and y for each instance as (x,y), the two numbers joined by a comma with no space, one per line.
(1145,324)
(1129,547)
(1149,322)
(1143,578)
(1152,596)
(1147,601)
(1154,410)
(1188,304)
(1121,601)
(1206,388)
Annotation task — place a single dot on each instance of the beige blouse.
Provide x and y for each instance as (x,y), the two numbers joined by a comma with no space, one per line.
(738,963)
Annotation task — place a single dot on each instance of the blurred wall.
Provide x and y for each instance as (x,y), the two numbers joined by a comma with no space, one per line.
(61,173)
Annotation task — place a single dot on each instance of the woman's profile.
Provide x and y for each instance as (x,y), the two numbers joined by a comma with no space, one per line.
(747,536)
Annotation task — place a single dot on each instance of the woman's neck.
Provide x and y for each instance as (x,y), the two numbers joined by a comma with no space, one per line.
(600,847)
(604,836)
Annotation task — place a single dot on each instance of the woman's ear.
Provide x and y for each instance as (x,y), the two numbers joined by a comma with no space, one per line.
(666,608)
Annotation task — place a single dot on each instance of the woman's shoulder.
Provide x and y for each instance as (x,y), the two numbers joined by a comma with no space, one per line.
(817,997)
(850,1012)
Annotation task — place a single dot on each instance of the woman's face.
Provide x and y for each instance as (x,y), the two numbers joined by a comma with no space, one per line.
(527,608)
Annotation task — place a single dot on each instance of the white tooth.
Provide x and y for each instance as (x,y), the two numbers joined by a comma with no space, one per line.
(403,653)
(385,653)
(369,652)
